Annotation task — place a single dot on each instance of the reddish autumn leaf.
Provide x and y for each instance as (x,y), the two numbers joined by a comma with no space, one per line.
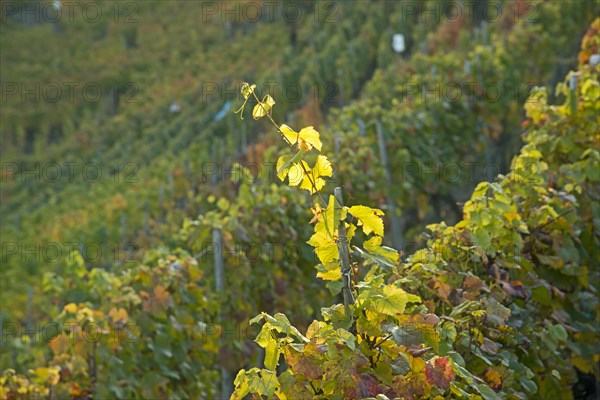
(438,372)
(472,286)
(472,283)
(413,387)
(305,363)
(443,289)
(368,386)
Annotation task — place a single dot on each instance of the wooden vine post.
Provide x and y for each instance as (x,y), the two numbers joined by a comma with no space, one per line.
(226,388)
(391,203)
(344,254)
(573,94)
(217,244)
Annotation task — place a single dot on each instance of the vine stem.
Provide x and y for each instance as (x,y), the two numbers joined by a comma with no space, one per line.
(383,339)
(342,240)
(542,226)
(292,146)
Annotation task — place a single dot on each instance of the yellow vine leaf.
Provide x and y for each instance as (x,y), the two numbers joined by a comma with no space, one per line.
(330,272)
(289,134)
(271,355)
(350,228)
(393,301)
(46,376)
(282,171)
(71,308)
(373,245)
(325,246)
(322,168)
(329,222)
(262,108)
(311,138)
(307,138)
(308,185)
(417,364)
(369,219)
(118,314)
(493,378)
(296,173)
(324,238)
(247,90)
(582,364)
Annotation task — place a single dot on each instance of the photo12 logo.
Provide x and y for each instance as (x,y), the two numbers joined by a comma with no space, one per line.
(248,172)
(69,92)
(289,92)
(451,91)
(270,11)
(469,10)
(71,332)
(53,252)
(69,172)
(58,11)
(250,252)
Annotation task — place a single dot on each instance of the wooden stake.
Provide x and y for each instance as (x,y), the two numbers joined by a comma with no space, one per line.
(391,203)
(344,254)
(226,389)
(573,94)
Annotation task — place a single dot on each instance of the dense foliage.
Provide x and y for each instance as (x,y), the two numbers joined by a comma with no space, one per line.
(507,302)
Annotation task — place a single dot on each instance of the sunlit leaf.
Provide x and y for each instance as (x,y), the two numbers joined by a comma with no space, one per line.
(369,219)
(263,107)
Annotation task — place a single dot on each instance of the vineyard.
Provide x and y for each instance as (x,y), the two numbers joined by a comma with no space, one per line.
(300,200)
